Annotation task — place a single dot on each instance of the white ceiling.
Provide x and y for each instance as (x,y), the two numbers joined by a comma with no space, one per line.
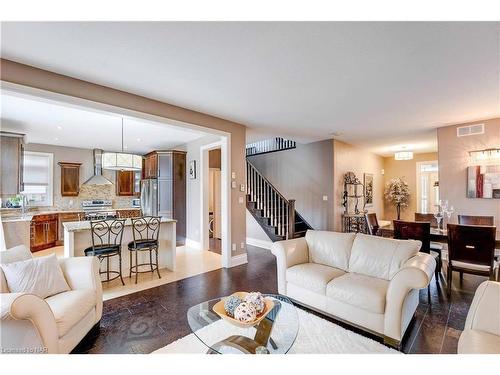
(63,125)
(377,85)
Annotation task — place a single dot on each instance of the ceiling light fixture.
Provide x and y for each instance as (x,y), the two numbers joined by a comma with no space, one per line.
(403,155)
(485,156)
(121,161)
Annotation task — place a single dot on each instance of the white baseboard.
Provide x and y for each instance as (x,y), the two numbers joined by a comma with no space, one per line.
(238,260)
(259,243)
(193,244)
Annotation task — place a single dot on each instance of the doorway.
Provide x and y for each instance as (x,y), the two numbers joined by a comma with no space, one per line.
(214,201)
(427,186)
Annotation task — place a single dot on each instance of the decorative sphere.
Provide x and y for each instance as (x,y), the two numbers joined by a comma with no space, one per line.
(231,303)
(245,312)
(256,299)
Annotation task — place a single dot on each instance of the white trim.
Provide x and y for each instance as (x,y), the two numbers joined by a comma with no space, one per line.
(238,260)
(259,243)
(225,145)
(193,244)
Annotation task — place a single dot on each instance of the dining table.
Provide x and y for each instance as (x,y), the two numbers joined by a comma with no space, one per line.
(386,229)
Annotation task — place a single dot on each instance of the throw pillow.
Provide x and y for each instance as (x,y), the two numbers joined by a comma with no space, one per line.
(40,276)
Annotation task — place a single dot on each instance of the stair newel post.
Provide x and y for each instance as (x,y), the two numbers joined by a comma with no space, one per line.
(291,218)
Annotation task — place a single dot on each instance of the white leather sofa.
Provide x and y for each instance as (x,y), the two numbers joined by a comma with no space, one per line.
(30,324)
(367,281)
(481,333)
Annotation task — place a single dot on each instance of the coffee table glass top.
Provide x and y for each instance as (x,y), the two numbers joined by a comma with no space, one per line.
(275,334)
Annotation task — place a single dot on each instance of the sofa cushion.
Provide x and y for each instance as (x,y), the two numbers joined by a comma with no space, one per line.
(312,276)
(380,257)
(473,341)
(14,254)
(70,307)
(330,248)
(365,292)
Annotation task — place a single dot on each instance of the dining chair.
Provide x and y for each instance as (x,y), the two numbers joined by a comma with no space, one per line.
(435,246)
(471,249)
(412,230)
(476,220)
(372,223)
(107,243)
(146,231)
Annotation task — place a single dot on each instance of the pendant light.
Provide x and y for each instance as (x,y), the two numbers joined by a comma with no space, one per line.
(121,161)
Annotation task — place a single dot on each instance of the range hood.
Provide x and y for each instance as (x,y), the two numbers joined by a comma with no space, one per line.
(97,178)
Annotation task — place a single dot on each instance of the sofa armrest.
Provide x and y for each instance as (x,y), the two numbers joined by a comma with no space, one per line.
(416,273)
(83,273)
(484,311)
(17,307)
(289,253)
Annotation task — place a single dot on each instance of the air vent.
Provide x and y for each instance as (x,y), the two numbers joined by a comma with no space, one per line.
(464,131)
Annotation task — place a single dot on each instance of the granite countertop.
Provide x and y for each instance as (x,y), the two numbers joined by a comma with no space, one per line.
(80,226)
(14,215)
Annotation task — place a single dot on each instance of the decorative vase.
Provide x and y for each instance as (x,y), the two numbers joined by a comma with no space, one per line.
(398,210)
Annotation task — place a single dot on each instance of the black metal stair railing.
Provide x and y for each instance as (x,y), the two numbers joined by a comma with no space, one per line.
(269,145)
(275,207)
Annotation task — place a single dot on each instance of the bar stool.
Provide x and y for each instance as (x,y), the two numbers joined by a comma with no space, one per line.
(106,243)
(146,231)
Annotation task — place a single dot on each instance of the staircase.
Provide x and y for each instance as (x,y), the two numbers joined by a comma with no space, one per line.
(275,214)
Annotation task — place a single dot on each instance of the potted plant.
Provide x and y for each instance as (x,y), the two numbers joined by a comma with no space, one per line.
(397,192)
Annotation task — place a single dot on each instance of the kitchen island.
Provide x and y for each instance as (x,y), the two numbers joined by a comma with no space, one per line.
(78,237)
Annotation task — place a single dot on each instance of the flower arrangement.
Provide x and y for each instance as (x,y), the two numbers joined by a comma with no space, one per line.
(397,192)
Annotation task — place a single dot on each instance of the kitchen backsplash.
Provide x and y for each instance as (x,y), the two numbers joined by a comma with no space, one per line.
(88,192)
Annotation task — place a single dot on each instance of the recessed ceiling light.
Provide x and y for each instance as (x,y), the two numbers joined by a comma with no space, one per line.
(59,128)
(56,139)
(138,139)
(125,147)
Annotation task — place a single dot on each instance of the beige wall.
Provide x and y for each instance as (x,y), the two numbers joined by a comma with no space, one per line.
(37,78)
(84,156)
(453,163)
(348,158)
(407,169)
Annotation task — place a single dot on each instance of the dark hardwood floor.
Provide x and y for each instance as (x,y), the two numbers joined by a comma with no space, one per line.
(148,320)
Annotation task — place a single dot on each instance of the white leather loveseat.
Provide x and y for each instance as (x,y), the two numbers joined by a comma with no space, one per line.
(367,281)
(481,333)
(30,324)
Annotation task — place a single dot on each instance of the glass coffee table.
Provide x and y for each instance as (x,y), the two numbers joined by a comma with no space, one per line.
(275,334)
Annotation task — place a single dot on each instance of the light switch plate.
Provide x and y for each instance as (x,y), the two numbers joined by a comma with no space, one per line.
(242,188)
(233,175)
(240,199)
(233,184)
(325,197)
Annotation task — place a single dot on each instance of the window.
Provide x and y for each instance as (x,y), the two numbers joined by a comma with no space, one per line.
(38,178)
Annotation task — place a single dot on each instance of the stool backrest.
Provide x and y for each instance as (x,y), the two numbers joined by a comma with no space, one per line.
(146,228)
(476,220)
(107,232)
(471,243)
(414,230)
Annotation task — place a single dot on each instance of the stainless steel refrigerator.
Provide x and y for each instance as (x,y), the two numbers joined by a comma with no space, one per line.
(156,197)
(149,197)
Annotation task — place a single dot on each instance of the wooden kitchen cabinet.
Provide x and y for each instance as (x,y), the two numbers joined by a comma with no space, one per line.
(70,179)
(11,167)
(128,183)
(43,232)
(126,214)
(150,169)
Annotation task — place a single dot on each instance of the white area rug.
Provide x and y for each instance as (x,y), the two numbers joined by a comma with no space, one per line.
(316,336)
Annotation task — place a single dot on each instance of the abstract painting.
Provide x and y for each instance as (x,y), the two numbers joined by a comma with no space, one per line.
(368,182)
(483,181)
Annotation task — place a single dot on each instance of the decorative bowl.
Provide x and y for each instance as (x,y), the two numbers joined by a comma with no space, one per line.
(219,310)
